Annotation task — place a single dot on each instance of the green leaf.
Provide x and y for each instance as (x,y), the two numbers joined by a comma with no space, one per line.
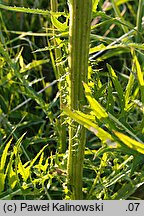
(97,48)
(95,106)
(40,165)
(25,172)
(128,91)
(18,142)
(140,77)
(94,5)
(36,157)
(131,143)
(4,156)
(139,72)
(33,64)
(87,123)
(58,25)
(117,85)
(108,119)
(12,178)
(24,10)
(2,180)
(11,174)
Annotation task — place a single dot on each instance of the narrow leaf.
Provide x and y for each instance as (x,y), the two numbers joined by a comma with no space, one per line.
(81,119)
(95,106)
(139,72)
(4,156)
(58,25)
(25,172)
(24,10)
(94,5)
(117,85)
(2,181)
(12,178)
(131,143)
(36,157)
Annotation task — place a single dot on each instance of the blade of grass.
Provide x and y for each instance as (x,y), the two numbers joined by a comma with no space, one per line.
(139,20)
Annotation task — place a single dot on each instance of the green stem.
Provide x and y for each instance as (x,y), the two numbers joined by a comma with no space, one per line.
(79,34)
(61,86)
